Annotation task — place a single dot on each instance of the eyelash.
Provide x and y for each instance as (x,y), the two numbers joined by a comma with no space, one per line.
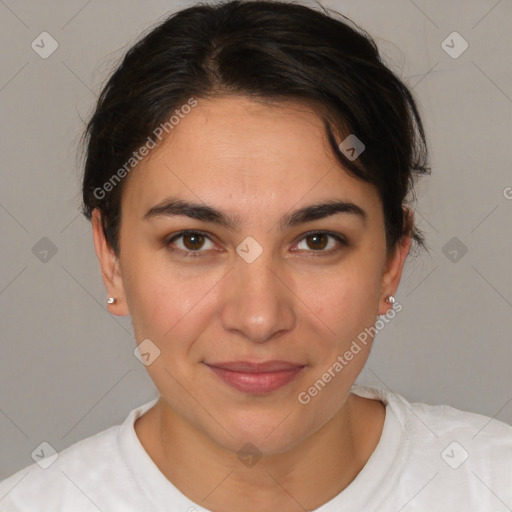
(190,253)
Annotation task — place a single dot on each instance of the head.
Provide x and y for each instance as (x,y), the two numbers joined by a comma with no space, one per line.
(233,123)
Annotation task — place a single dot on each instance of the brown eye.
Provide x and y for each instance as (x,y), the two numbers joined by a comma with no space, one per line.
(193,241)
(322,242)
(317,241)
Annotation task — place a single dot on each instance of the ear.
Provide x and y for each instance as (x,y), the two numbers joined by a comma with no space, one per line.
(395,263)
(110,267)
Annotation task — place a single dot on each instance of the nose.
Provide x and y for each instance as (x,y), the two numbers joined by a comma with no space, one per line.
(257,303)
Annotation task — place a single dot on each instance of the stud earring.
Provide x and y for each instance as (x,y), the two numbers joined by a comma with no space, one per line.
(111,300)
(390,299)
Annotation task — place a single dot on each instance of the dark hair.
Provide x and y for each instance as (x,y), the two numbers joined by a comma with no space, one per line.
(269,51)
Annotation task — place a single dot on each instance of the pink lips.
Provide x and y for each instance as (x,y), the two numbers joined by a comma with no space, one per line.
(256,378)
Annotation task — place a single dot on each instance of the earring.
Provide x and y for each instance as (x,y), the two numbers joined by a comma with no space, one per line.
(390,299)
(111,300)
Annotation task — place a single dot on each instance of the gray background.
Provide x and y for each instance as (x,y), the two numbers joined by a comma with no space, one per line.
(67,368)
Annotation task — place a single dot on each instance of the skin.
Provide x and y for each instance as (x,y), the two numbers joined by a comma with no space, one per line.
(256,163)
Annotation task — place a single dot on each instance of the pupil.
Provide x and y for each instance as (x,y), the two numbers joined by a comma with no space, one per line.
(319,241)
(194,241)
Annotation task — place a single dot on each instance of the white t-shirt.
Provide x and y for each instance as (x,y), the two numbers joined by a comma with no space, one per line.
(428,458)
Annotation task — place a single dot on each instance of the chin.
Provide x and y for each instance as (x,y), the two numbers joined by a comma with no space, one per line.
(267,435)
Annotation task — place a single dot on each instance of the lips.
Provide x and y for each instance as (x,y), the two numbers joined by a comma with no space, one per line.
(264,367)
(256,378)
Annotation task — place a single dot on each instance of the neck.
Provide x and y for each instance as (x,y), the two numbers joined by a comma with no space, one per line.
(302,478)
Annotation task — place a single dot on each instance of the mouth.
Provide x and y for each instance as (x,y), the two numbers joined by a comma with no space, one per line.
(256,378)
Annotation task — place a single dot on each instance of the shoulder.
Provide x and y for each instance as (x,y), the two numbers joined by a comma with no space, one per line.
(93,474)
(483,443)
(57,476)
(461,457)
(446,422)
(439,420)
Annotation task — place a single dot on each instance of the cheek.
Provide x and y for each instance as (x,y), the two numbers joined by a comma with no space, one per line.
(344,305)
(345,300)
(168,303)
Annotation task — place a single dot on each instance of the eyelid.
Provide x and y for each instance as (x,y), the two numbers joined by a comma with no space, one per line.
(341,239)
(170,239)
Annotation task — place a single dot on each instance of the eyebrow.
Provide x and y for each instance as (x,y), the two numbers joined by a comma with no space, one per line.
(176,207)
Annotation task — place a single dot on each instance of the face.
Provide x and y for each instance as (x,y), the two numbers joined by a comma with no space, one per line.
(242,240)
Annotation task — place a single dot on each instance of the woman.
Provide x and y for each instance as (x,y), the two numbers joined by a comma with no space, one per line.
(247,173)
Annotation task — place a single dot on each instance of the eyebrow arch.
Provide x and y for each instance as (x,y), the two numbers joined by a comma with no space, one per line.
(174,207)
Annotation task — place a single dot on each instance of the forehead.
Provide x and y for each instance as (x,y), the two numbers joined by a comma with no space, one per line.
(233,150)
